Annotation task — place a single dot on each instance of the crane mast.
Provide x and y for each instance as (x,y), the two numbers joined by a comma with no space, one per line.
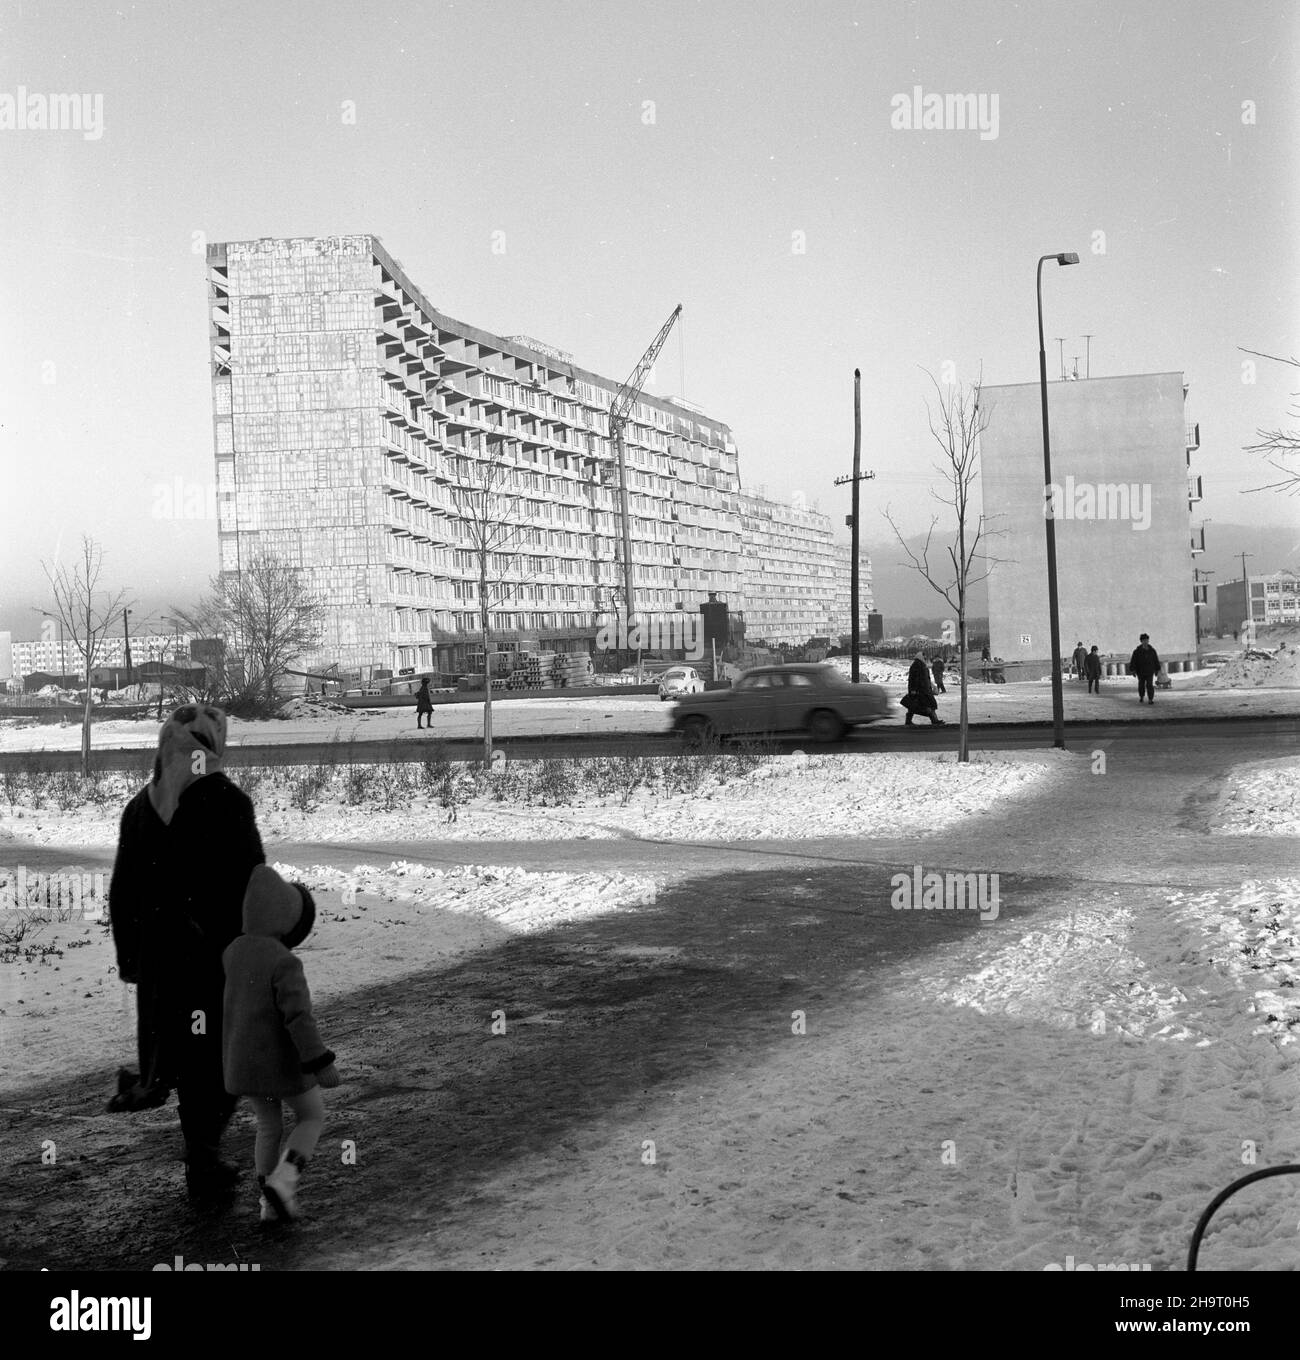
(619,409)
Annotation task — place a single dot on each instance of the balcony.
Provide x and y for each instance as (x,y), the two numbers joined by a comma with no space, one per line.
(1193,437)
(1194,489)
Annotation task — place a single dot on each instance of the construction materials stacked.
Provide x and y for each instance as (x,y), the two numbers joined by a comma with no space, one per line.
(533,670)
(571,669)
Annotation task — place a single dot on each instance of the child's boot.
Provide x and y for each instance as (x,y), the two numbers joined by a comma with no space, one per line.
(265,1213)
(280,1187)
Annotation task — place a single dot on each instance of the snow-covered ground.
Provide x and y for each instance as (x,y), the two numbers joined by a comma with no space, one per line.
(1100,1072)
(792,796)
(58,1012)
(1261,800)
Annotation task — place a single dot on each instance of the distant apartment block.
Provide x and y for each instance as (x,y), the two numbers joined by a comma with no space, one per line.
(1122,497)
(841,620)
(789,568)
(346,407)
(1273,598)
(54,658)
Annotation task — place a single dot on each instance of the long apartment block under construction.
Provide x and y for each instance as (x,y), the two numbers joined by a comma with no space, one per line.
(346,407)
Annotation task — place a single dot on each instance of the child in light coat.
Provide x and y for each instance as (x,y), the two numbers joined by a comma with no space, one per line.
(271,1051)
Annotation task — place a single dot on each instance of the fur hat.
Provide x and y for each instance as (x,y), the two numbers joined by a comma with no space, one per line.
(284,911)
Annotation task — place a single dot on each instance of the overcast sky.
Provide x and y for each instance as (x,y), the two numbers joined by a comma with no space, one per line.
(738,158)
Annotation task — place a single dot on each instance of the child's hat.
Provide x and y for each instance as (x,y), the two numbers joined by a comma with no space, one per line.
(273,907)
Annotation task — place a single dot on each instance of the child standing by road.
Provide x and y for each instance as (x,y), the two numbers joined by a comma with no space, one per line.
(270,1048)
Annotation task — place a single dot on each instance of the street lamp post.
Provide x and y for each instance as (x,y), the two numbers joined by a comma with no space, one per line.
(58,618)
(1053,610)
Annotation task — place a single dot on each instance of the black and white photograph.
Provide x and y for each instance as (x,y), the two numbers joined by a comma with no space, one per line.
(580,644)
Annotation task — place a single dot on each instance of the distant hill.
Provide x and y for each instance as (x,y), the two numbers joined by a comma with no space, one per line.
(902,593)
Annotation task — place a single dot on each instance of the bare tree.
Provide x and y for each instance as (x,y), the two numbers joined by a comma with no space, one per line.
(956,428)
(206,620)
(1278,444)
(265,619)
(492,512)
(88,615)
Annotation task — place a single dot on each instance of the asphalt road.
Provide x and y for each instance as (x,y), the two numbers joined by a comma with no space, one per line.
(1282,732)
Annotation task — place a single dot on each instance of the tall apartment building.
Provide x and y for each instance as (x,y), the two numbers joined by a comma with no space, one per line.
(841,620)
(789,569)
(1271,598)
(1122,499)
(346,409)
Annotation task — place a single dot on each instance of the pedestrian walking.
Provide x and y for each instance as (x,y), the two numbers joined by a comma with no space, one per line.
(920,693)
(271,1050)
(186,846)
(1145,664)
(985,658)
(1080,659)
(1092,668)
(937,667)
(423,704)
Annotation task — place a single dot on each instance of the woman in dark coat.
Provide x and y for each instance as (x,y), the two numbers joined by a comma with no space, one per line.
(187,845)
(424,704)
(920,693)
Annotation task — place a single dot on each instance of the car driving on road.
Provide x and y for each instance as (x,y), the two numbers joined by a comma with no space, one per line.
(817,699)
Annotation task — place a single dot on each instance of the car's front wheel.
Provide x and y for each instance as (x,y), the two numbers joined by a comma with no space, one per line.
(697,730)
(824,725)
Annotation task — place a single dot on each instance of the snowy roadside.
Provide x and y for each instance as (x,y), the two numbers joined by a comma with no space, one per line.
(775,796)
(1015,703)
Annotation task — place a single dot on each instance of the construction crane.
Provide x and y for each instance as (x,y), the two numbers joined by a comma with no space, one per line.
(619,409)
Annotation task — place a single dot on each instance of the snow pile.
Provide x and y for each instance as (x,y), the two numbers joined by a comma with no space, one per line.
(513,899)
(1080,972)
(1261,800)
(875,670)
(778,797)
(1254,668)
(313,705)
(1252,939)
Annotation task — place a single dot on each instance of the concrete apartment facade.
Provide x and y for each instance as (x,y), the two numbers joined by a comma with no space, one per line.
(841,620)
(346,408)
(789,569)
(1122,503)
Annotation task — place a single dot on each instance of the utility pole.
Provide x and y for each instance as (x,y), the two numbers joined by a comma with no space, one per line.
(126,644)
(1244,556)
(1088,360)
(854,520)
(1060,340)
(1198,573)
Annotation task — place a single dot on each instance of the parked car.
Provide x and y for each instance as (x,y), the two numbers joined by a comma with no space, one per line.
(813,698)
(680,680)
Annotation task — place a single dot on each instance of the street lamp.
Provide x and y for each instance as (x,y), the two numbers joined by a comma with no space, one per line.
(45,614)
(1053,611)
